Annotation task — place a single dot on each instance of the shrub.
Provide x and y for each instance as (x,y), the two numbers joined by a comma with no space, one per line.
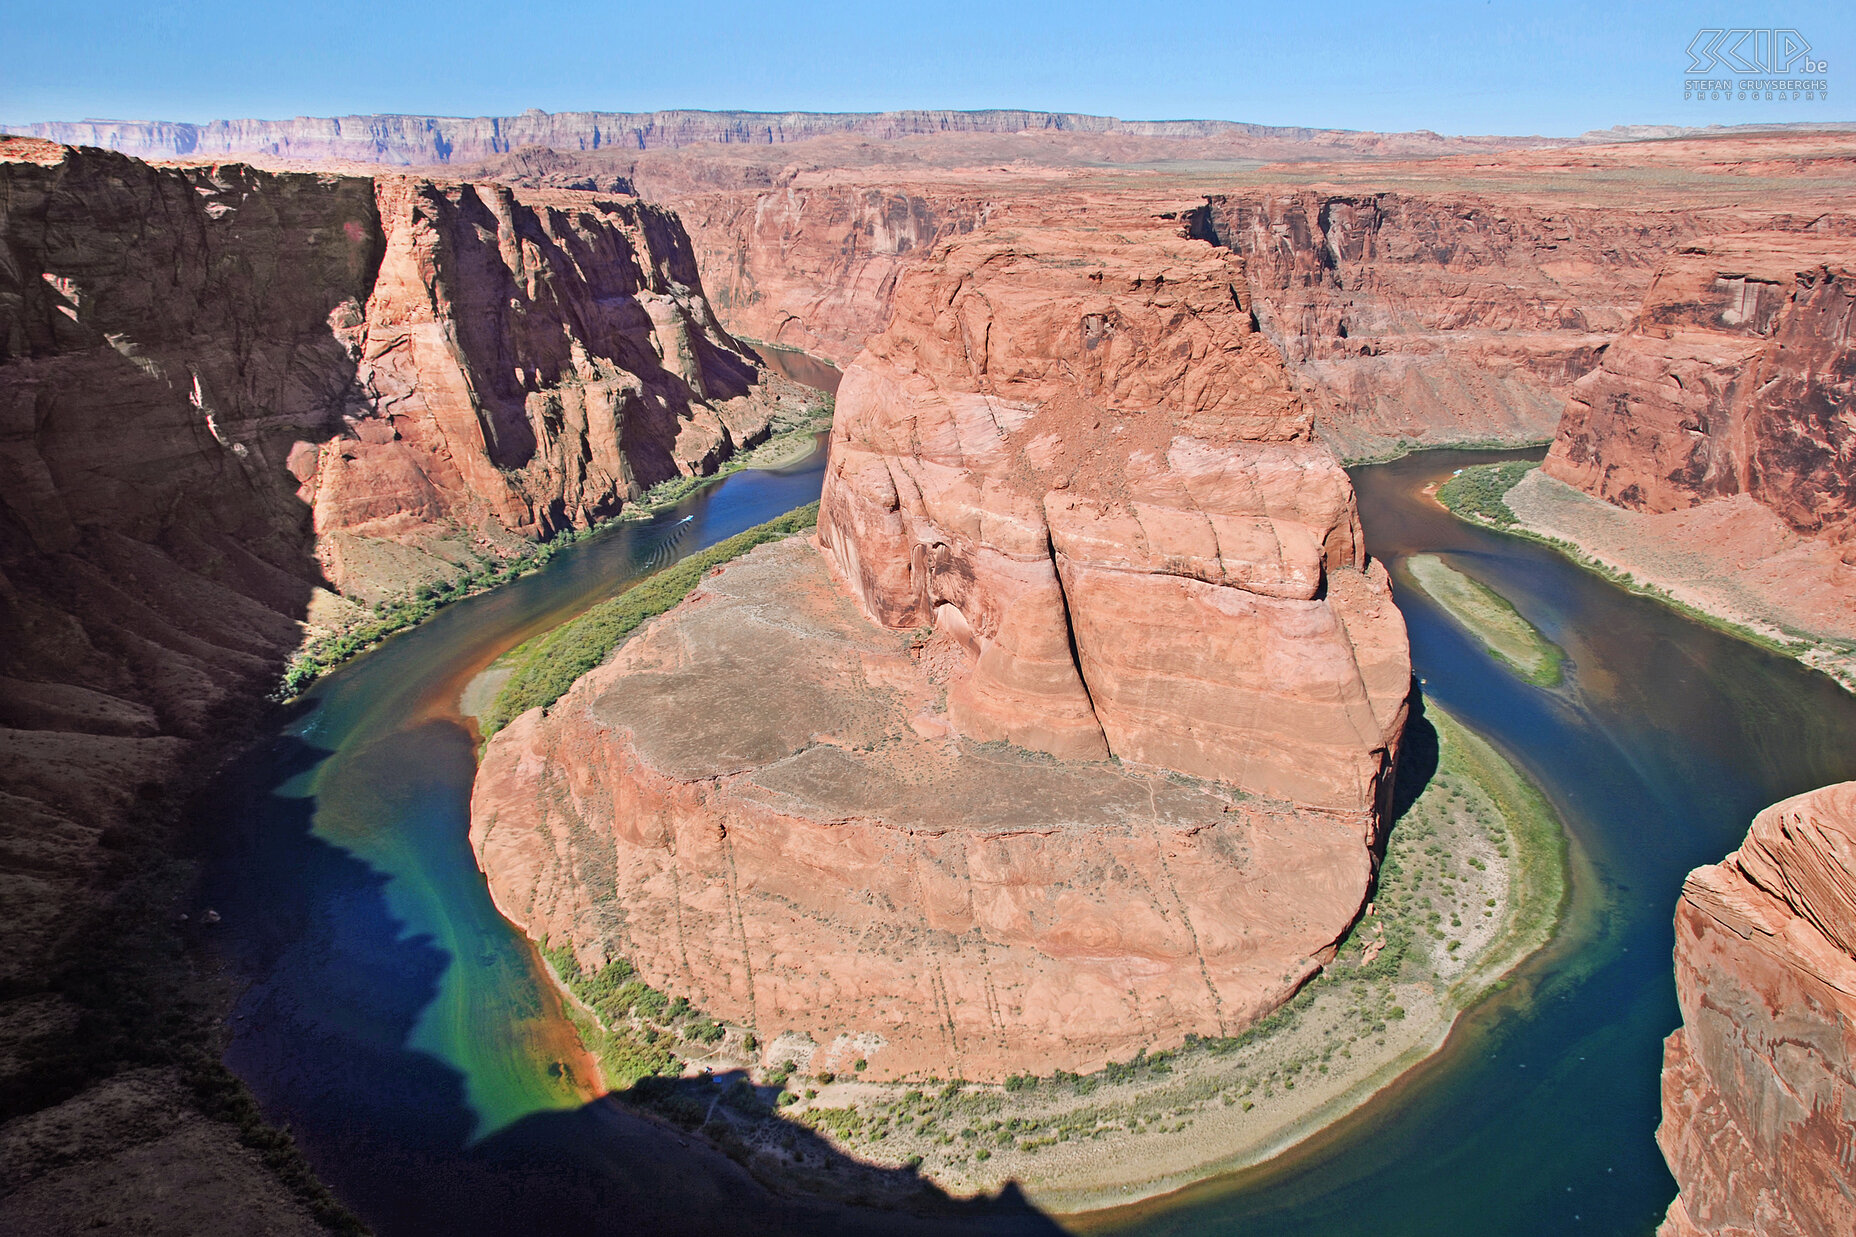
(1478,491)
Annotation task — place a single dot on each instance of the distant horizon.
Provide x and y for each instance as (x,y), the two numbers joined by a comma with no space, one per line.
(1458,68)
(1625,126)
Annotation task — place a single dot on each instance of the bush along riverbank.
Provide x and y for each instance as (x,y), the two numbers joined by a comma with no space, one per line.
(545,667)
(1472,882)
(1479,494)
(794,438)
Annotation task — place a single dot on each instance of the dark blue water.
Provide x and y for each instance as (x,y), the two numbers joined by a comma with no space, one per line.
(403,1030)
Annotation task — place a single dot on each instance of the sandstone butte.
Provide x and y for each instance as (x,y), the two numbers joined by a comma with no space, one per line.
(223,389)
(1073,495)
(1759,1081)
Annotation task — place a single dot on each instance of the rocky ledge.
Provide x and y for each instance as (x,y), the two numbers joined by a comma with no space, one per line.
(1759,1082)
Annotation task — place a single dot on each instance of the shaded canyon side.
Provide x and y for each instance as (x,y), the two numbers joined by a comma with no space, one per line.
(236,402)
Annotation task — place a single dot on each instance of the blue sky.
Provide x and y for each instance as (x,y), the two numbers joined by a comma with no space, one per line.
(1480,67)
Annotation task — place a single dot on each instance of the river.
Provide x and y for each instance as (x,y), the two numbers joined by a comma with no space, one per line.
(406,1034)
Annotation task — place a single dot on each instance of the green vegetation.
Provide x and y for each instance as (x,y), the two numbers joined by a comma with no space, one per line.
(790,441)
(1477,492)
(1491,618)
(631,1028)
(792,434)
(547,666)
(324,653)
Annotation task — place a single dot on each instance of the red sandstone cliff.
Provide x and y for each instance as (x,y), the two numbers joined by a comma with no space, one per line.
(1759,1082)
(1735,378)
(222,389)
(1074,458)
(1075,451)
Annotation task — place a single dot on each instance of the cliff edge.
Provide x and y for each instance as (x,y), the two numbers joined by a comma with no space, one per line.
(1759,1082)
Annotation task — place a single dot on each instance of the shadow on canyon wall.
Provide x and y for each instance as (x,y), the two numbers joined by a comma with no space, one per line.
(325,1034)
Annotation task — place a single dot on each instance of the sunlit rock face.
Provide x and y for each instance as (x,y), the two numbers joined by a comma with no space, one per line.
(1736,378)
(1071,741)
(1074,450)
(1759,1082)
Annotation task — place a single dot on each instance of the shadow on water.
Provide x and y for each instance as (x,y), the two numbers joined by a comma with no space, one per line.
(324,1036)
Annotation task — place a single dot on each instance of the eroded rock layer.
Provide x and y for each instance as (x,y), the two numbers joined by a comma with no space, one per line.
(225,391)
(1759,1082)
(1106,768)
(758,804)
(1735,378)
(1075,450)
(221,389)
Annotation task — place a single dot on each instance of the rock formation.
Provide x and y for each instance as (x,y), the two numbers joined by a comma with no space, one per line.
(1075,491)
(1435,317)
(1759,1082)
(1735,378)
(1076,452)
(224,390)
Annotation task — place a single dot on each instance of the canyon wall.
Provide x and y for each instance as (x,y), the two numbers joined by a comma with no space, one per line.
(429,140)
(1425,318)
(1404,318)
(1735,378)
(1108,765)
(1759,1082)
(226,392)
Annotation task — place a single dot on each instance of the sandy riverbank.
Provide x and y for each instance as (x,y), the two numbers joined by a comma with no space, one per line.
(1731,562)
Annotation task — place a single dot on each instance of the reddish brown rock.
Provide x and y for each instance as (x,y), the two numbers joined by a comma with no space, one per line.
(1074,466)
(526,362)
(1759,1083)
(756,804)
(1736,378)
(1074,451)
(222,389)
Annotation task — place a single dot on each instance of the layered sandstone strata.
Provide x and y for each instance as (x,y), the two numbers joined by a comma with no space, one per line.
(431,140)
(1759,1082)
(287,381)
(1431,317)
(1074,490)
(1735,378)
(223,391)
(1075,451)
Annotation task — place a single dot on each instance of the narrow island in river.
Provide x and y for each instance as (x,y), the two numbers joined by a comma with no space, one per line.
(1491,618)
